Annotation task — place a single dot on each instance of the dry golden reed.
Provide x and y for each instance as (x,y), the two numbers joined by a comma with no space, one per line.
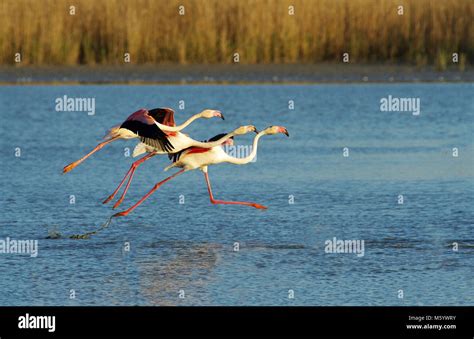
(211,31)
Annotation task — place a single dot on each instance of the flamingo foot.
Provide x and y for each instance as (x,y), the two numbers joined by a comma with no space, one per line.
(108,199)
(117,204)
(120,214)
(70,167)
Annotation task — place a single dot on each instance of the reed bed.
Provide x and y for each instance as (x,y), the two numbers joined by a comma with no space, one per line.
(211,31)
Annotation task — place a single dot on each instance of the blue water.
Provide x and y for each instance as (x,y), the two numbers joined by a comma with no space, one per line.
(190,246)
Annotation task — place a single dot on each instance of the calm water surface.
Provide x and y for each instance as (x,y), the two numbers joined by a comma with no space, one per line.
(190,246)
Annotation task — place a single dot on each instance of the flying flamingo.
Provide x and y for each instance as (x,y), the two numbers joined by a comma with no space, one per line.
(200,158)
(181,142)
(153,127)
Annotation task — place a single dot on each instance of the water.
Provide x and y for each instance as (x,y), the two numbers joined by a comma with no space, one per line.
(190,246)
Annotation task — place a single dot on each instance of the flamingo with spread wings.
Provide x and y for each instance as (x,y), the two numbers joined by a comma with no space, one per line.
(200,158)
(183,142)
(155,128)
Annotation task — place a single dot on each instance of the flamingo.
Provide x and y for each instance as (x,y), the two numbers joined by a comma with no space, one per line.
(200,158)
(182,142)
(153,127)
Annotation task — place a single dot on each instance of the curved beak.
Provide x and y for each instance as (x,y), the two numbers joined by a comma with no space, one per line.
(286,133)
(255,129)
(220,115)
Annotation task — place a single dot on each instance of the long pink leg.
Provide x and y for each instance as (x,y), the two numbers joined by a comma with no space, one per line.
(130,172)
(214,201)
(126,212)
(145,158)
(98,147)
(118,187)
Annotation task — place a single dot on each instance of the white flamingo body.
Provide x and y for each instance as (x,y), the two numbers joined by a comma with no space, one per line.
(194,157)
(180,141)
(192,161)
(201,158)
(152,127)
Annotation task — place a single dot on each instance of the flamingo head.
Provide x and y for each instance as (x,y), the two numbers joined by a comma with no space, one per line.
(276,129)
(245,129)
(211,113)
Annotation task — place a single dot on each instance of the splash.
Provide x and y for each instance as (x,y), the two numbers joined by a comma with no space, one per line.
(54,234)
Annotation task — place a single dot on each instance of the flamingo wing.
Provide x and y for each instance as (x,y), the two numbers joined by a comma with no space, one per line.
(174,157)
(164,116)
(143,124)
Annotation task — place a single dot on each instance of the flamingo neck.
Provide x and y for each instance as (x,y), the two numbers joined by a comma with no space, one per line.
(214,143)
(249,158)
(178,128)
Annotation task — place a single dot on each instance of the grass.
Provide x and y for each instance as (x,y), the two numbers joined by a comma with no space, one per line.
(261,31)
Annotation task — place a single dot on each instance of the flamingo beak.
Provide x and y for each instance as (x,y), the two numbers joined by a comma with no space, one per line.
(285,131)
(255,129)
(219,114)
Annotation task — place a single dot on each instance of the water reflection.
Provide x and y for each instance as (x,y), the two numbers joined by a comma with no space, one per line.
(174,267)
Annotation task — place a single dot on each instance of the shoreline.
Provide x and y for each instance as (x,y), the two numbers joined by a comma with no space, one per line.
(229,74)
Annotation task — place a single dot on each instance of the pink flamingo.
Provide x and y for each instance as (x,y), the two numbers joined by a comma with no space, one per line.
(154,127)
(200,158)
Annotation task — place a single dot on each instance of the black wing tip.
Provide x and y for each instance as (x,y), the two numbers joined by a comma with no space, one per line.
(218,136)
